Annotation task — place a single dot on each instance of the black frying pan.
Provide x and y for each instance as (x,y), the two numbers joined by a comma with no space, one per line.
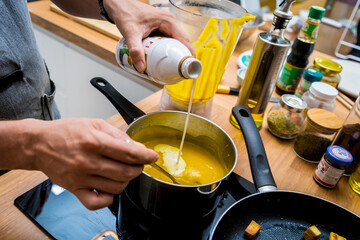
(282,214)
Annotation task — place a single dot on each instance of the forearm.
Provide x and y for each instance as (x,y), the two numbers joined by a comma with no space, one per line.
(15,140)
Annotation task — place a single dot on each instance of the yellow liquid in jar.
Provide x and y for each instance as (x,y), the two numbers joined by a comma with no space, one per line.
(202,167)
(213,49)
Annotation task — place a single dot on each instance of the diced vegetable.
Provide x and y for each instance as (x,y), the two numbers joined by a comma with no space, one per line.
(253,229)
(312,233)
(334,236)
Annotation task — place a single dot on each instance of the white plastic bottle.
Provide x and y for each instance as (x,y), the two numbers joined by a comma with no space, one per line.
(168,61)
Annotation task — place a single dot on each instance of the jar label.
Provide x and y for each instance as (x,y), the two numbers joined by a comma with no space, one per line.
(289,78)
(327,175)
(310,30)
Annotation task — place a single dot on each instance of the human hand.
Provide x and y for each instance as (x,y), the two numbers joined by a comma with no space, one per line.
(136,20)
(86,154)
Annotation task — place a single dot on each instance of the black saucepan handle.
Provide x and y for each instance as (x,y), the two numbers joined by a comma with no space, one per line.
(127,110)
(259,164)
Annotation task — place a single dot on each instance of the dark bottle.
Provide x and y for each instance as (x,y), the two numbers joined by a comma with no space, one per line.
(301,50)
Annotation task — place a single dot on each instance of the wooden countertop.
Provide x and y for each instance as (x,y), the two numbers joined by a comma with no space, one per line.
(290,172)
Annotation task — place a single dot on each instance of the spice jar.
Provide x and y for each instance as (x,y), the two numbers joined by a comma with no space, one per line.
(317,133)
(310,75)
(330,69)
(332,166)
(321,95)
(349,136)
(286,118)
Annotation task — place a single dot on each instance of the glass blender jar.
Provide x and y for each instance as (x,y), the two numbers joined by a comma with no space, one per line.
(214,28)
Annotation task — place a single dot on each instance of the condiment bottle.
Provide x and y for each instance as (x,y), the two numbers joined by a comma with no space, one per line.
(349,136)
(168,61)
(332,166)
(330,69)
(321,95)
(268,57)
(286,118)
(317,133)
(301,50)
(310,76)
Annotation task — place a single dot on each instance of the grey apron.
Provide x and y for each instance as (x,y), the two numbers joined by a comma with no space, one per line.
(26,90)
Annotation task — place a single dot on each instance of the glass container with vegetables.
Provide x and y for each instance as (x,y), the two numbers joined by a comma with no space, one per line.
(317,133)
(286,118)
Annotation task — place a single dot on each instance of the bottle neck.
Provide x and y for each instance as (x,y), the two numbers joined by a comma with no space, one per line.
(277,32)
(278,26)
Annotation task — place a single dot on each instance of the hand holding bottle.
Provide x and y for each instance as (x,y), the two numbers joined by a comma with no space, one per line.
(137,20)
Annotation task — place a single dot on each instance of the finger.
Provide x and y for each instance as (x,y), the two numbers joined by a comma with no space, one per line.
(125,152)
(136,51)
(110,170)
(115,147)
(172,29)
(92,200)
(107,185)
(180,35)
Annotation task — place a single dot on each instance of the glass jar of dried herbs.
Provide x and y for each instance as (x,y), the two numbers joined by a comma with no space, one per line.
(286,118)
(317,133)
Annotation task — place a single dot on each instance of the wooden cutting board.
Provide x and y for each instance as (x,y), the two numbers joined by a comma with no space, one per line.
(101,26)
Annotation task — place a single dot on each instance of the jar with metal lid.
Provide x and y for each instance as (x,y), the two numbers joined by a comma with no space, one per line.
(310,76)
(349,136)
(317,133)
(332,166)
(286,118)
(321,95)
(330,69)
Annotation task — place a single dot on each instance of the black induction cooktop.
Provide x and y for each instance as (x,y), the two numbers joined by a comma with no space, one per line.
(62,216)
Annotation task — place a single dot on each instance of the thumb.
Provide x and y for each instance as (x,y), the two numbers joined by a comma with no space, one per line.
(93,200)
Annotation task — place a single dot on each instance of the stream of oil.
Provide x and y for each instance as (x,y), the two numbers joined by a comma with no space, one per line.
(186,121)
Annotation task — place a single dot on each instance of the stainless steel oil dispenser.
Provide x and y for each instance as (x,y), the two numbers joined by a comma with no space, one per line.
(266,63)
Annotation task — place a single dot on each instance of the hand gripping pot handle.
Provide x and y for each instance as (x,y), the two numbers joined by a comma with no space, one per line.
(259,164)
(127,110)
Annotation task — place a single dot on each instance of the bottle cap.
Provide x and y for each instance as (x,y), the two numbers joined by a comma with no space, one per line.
(292,103)
(323,90)
(316,12)
(339,155)
(312,75)
(327,65)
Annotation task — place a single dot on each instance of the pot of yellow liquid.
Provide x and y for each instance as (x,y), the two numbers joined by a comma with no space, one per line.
(208,157)
(214,28)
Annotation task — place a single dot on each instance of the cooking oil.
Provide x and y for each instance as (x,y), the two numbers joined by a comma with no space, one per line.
(267,60)
(186,123)
(354,180)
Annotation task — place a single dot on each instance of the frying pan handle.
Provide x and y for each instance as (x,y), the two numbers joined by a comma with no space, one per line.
(127,110)
(259,164)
